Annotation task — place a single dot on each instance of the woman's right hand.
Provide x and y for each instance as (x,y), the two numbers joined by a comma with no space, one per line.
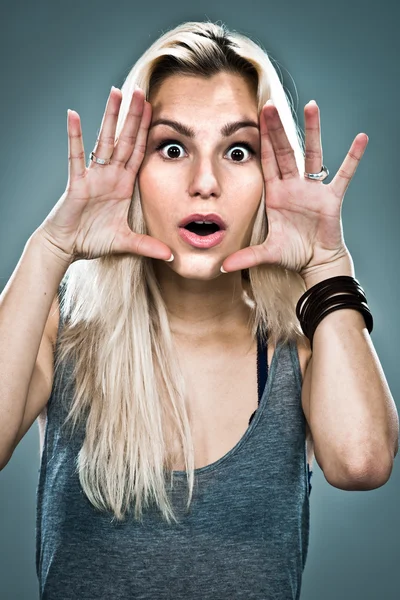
(90,218)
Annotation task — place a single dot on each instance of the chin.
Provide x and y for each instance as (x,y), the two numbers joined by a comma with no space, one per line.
(198,268)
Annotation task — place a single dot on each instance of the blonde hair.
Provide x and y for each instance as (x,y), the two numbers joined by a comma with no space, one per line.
(129,390)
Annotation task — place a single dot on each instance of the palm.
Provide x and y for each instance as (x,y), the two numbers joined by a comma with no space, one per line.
(105,211)
(104,194)
(106,183)
(295,212)
(304,216)
(91,218)
(99,202)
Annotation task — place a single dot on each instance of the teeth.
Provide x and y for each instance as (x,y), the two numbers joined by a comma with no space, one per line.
(205,222)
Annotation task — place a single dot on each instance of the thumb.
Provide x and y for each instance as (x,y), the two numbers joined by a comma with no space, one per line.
(144,245)
(251,257)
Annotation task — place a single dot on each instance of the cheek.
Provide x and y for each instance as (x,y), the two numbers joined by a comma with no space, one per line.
(248,199)
(148,186)
(248,196)
(153,200)
(156,183)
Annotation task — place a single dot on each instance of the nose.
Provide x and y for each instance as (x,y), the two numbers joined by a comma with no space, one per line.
(204,181)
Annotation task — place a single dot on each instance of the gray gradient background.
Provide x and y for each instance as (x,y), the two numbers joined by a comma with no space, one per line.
(56,56)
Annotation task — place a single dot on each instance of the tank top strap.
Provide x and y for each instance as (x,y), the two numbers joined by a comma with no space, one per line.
(262,368)
(262,365)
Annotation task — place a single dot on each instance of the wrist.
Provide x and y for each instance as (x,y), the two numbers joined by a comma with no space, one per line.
(43,242)
(341,266)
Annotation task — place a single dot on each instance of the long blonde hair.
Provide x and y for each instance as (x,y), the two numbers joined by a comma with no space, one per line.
(129,390)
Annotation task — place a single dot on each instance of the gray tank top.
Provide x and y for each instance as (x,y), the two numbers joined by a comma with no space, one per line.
(246,533)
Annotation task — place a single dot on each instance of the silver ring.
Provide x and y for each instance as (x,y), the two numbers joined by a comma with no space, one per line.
(323,174)
(99,161)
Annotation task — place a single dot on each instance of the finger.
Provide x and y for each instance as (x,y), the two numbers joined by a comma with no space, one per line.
(127,138)
(144,245)
(105,142)
(76,151)
(313,150)
(284,152)
(251,257)
(341,181)
(139,150)
(268,159)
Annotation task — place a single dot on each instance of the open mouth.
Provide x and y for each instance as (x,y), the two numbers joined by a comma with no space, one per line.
(202,228)
(202,231)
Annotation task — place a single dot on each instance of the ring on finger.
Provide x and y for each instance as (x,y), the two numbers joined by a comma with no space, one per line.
(323,174)
(99,161)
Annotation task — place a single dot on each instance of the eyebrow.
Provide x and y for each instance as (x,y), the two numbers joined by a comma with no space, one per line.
(226,130)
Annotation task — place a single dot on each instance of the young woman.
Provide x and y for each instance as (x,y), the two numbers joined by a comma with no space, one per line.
(187,327)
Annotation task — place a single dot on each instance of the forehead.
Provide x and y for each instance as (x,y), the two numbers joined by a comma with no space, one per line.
(221,92)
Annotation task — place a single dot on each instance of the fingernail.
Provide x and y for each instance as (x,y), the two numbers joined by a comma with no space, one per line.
(269,102)
(312,102)
(138,88)
(170,259)
(223,270)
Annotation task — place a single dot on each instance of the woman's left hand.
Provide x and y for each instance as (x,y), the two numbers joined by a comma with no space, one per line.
(304,216)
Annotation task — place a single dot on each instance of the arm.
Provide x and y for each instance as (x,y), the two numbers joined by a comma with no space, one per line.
(346,399)
(24,308)
(345,396)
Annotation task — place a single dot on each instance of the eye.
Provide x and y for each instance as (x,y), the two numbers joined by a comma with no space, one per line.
(237,149)
(238,152)
(172,153)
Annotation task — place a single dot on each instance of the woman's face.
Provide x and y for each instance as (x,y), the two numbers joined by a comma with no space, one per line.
(199,167)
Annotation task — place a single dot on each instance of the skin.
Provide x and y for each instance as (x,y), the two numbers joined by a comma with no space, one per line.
(204,178)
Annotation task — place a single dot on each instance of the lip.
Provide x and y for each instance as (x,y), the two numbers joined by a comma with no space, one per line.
(209,217)
(201,241)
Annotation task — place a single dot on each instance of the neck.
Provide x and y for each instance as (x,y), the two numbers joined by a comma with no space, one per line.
(204,310)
